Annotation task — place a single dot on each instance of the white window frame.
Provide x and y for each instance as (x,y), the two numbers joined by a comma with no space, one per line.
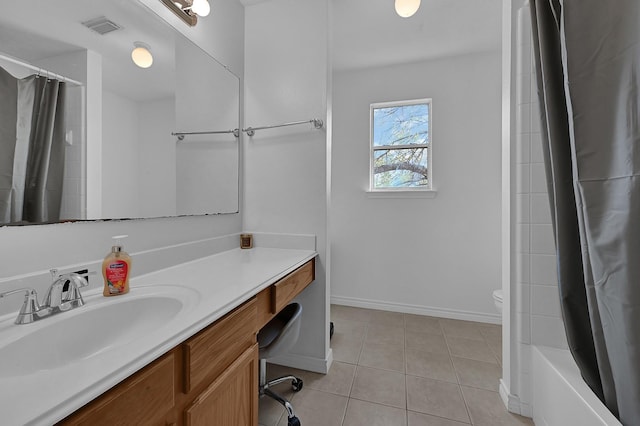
(425,190)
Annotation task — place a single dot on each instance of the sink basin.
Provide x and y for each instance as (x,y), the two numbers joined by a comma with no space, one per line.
(102,324)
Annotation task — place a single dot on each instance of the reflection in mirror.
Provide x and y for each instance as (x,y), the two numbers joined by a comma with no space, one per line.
(103,148)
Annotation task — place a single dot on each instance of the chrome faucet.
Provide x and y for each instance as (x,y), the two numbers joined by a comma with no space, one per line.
(62,295)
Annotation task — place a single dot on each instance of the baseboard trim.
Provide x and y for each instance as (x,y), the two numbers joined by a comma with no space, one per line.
(513,403)
(417,309)
(301,362)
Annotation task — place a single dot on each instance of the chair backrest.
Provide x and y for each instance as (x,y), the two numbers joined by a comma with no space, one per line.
(281,333)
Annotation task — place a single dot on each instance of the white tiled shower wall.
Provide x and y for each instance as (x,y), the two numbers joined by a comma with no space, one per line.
(537,312)
(74,189)
(536,270)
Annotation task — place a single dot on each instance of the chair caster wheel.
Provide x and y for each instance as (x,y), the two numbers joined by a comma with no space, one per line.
(296,385)
(293,421)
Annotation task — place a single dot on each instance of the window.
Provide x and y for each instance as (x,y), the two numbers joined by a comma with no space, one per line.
(401,146)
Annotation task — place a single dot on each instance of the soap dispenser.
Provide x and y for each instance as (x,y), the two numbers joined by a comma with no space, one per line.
(115,269)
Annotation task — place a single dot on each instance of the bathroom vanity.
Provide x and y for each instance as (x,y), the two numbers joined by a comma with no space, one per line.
(210,379)
(200,368)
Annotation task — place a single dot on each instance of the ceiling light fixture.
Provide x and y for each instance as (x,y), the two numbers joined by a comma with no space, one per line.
(189,10)
(141,55)
(407,8)
(201,7)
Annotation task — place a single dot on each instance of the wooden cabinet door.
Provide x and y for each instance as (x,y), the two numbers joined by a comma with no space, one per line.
(232,399)
(143,399)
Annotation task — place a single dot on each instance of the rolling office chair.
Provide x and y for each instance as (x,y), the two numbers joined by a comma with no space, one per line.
(276,337)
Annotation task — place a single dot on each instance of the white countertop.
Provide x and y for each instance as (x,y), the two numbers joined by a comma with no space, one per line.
(220,283)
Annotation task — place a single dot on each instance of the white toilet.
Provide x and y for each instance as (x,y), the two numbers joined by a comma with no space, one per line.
(497,299)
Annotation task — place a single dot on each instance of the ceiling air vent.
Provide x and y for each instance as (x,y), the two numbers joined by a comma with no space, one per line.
(101,25)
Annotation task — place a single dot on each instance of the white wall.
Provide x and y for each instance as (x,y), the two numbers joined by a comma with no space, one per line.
(157,185)
(286,79)
(438,256)
(206,165)
(37,248)
(120,195)
(138,157)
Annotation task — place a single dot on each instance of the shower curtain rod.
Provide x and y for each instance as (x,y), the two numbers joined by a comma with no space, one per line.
(41,71)
(181,135)
(317,123)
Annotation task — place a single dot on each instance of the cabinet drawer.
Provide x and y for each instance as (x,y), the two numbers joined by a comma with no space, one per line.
(211,351)
(291,285)
(143,399)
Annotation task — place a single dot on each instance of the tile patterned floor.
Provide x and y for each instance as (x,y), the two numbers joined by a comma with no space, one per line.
(397,369)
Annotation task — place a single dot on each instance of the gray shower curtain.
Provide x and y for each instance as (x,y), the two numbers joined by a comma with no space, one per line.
(31,148)
(588,70)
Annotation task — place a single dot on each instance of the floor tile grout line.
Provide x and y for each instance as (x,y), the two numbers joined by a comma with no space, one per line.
(493,355)
(466,404)
(404,347)
(486,341)
(406,388)
(478,360)
(344,415)
(455,370)
(364,339)
(375,403)
(353,381)
(435,415)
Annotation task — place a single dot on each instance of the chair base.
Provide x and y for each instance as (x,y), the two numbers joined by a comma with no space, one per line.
(296,385)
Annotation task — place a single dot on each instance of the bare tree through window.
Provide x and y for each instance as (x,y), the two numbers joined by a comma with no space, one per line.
(400,141)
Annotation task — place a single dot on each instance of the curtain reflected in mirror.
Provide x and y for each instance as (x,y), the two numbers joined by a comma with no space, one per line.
(32,143)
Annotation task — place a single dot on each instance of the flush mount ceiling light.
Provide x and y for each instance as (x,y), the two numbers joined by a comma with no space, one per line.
(189,10)
(141,55)
(201,7)
(407,8)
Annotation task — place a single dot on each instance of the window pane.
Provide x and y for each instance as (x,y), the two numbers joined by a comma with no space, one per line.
(400,168)
(401,125)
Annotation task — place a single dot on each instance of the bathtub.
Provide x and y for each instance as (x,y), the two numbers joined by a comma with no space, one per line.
(560,396)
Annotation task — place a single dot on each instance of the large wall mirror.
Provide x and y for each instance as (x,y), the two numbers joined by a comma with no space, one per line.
(100,145)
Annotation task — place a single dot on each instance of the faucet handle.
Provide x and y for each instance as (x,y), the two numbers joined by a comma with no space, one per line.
(28,291)
(76,282)
(64,292)
(30,306)
(85,277)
